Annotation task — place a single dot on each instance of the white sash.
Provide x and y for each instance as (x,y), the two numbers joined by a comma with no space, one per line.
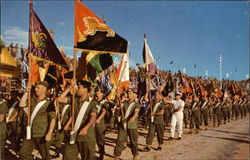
(194,105)
(11,111)
(64,111)
(2,101)
(37,108)
(81,114)
(217,105)
(129,110)
(204,104)
(99,106)
(154,110)
(156,106)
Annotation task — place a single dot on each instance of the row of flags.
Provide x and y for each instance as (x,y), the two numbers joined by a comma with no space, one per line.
(97,41)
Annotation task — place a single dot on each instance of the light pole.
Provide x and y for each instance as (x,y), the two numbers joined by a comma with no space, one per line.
(220,63)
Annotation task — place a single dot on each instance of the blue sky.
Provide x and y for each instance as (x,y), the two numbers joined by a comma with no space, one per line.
(185,32)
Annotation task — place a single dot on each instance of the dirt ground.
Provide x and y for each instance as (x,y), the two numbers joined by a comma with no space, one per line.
(229,141)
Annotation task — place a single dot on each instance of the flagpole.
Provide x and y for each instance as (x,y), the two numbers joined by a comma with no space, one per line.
(118,97)
(28,128)
(74,77)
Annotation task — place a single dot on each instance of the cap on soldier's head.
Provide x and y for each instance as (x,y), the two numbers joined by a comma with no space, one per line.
(178,93)
(43,83)
(84,83)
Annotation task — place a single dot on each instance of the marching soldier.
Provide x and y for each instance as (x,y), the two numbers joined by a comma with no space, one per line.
(241,108)
(235,112)
(186,110)
(62,118)
(156,123)
(216,112)
(128,125)
(224,109)
(83,135)
(42,122)
(204,110)
(100,125)
(13,121)
(195,115)
(3,131)
(168,110)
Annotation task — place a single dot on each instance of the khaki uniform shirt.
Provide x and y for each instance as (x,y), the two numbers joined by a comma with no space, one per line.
(91,108)
(43,117)
(3,110)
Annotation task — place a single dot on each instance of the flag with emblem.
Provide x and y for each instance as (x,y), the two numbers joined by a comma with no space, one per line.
(92,34)
(41,45)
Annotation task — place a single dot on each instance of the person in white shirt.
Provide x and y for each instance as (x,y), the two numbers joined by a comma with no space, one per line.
(177,116)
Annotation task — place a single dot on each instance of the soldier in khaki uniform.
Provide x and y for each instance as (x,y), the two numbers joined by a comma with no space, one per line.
(156,122)
(128,126)
(100,126)
(62,118)
(204,110)
(85,117)
(3,131)
(195,115)
(13,121)
(42,125)
(186,111)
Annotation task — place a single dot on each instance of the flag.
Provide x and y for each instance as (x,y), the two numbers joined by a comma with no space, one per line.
(122,74)
(92,34)
(169,87)
(24,74)
(51,76)
(106,85)
(113,81)
(148,58)
(94,65)
(41,45)
(185,87)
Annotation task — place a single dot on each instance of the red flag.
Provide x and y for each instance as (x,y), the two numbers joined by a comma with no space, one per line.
(92,34)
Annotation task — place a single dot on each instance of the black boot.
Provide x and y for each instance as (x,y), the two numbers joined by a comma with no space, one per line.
(57,153)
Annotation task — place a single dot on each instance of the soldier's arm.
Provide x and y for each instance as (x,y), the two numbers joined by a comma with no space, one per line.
(63,97)
(103,112)
(66,127)
(13,117)
(92,120)
(2,116)
(135,115)
(23,101)
(4,110)
(161,112)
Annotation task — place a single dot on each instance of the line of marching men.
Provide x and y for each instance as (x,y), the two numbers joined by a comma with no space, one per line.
(51,119)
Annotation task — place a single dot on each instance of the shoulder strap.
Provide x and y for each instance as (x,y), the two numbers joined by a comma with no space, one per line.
(37,108)
(81,114)
(156,106)
(129,109)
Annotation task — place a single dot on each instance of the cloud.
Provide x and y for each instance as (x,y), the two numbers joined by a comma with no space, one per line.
(15,35)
